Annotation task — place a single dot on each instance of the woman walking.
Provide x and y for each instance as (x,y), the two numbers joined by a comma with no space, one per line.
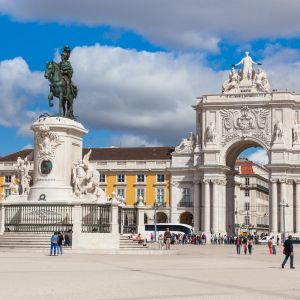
(250,246)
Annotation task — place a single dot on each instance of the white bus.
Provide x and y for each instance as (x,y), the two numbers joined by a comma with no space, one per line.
(161,228)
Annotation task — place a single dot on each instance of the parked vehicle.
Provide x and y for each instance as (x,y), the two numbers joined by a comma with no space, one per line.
(161,228)
(264,240)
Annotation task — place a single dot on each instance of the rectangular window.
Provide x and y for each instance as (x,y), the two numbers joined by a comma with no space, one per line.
(160,177)
(121,192)
(7,179)
(186,195)
(102,178)
(247,193)
(140,178)
(247,220)
(160,195)
(140,193)
(247,180)
(121,178)
(247,206)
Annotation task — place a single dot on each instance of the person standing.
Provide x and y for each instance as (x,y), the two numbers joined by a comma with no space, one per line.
(270,243)
(160,241)
(60,240)
(288,252)
(250,246)
(238,245)
(245,245)
(53,246)
(167,238)
(273,246)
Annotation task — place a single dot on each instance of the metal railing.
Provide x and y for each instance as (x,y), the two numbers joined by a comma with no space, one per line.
(127,220)
(96,218)
(185,204)
(38,218)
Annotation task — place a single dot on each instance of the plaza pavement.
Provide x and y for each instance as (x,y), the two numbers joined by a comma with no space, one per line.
(195,272)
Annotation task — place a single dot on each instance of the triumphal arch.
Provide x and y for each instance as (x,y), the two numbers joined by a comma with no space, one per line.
(247,113)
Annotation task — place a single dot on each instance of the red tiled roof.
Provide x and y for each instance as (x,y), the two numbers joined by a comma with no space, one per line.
(246,167)
(139,153)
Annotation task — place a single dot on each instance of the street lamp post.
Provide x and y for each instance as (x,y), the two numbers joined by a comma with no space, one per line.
(156,206)
(284,205)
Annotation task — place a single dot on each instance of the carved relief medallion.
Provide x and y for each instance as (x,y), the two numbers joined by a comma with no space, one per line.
(245,122)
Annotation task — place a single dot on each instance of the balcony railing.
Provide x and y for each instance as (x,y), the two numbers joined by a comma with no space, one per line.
(185,204)
(262,226)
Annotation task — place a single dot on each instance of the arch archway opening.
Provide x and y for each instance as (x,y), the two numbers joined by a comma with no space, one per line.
(187,218)
(161,217)
(247,194)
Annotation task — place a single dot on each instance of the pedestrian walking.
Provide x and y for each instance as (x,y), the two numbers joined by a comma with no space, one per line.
(288,251)
(238,245)
(161,241)
(167,238)
(60,239)
(54,239)
(152,237)
(270,243)
(250,246)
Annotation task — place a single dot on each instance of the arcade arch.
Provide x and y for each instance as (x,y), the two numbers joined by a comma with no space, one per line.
(186,218)
(161,217)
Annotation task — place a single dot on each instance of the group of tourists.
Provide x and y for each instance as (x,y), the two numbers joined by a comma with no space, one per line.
(57,242)
(245,243)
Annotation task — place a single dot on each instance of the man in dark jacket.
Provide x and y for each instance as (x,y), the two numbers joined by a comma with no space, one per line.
(288,252)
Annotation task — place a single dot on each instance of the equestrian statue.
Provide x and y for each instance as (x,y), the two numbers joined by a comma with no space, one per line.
(61,85)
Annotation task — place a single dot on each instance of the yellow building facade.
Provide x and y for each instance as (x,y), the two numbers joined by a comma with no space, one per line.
(130,173)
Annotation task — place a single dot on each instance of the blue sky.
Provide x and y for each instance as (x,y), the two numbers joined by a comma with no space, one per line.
(139,65)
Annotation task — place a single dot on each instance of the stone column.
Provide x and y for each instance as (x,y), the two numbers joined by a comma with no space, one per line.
(196,205)
(2,218)
(206,207)
(222,206)
(273,209)
(215,207)
(297,207)
(140,219)
(114,217)
(282,200)
(77,232)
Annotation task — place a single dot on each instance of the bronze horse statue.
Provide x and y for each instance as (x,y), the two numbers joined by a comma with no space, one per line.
(62,88)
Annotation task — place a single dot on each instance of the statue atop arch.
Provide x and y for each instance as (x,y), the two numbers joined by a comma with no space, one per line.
(246,79)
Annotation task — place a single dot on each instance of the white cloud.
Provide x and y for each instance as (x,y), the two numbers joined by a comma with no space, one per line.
(260,157)
(141,93)
(177,24)
(28,146)
(142,98)
(19,88)
(130,140)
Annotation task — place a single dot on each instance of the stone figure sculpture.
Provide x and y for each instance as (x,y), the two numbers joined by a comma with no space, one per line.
(187,144)
(47,142)
(247,63)
(22,175)
(278,131)
(61,85)
(86,178)
(232,82)
(296,133)
(261,81)
(211,133)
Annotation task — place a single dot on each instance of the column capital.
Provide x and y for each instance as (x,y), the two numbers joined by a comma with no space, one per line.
(297,181)
(206,181)
(283,180)
(274,180)
(196,181)
(219,181)
(290,181)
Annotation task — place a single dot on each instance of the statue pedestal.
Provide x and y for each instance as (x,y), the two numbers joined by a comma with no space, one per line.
(58,145)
